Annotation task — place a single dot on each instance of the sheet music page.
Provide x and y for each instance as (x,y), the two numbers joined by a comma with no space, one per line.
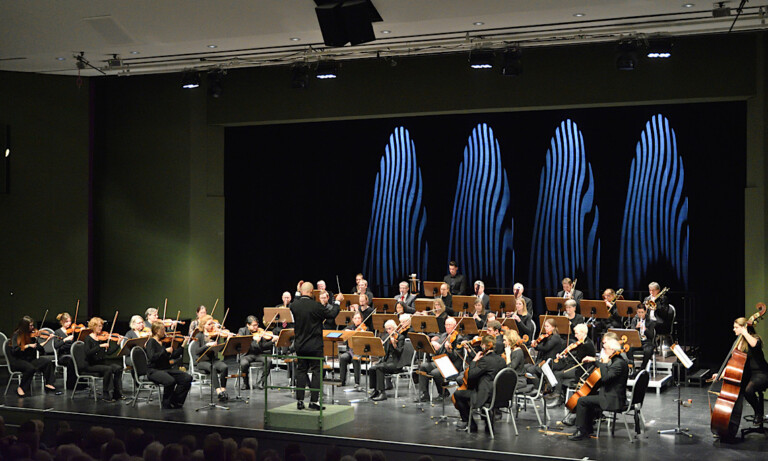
(682,356)
(548,373)
(444,364)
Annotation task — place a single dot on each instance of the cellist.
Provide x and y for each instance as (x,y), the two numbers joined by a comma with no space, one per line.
(755,378)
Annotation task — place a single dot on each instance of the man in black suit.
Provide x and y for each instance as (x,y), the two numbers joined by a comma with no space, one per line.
(259,346)
(660,315)
(308,317)
(482,371)
(362,288)
(612,395)
(447,297)
(405,300)
(456,281)
(646,327)
(569,291)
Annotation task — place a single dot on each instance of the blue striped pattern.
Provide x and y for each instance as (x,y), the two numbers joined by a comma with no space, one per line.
(565,239)
(655,227)
(481,233)
(396,246)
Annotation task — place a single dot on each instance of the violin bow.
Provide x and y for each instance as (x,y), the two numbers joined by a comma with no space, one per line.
(214,307)
(165,307)
(111,330)
(221,326)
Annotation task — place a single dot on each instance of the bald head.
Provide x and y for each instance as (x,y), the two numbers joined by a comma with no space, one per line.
(306,289)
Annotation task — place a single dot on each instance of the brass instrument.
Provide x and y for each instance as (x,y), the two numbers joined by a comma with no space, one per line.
(651,303)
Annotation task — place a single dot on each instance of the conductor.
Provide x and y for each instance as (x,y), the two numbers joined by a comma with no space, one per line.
(308,316)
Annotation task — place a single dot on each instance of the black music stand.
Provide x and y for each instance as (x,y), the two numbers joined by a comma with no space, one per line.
(238,346)
(83,334)
(344,318)
(555,304)
(125,350)
(380,319)
(384,305)
(501,303)
(421,304)
(366,346)
(213,350)
(432,289)
(422,344)
(687,363)
(463,304)
(626,309)
(424,324)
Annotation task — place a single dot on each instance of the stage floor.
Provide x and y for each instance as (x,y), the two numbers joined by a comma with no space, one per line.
(399,421)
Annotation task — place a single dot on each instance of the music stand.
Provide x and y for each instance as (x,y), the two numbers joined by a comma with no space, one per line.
(384,305)
(627,309)
(275,315)
(83,334)
(344,318)
(125,351)
(424,324)
(555,304)
(366,346)
(331,349)
(421,345)
(284,340)
(380,319)
(502,303)
(213,350)
(239,346)
(687,363)
(316,295)
(466,326)
(510,324)
(593,309)
(562,323)
(421,304)
(463,304)
(449,373)
(432,289)
(349,300)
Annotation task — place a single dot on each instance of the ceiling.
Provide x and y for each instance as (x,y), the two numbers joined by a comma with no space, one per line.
(170,35)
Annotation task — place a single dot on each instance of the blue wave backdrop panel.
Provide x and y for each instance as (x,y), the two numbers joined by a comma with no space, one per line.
(565,242)
(655,230)
(396,246)
(481,230)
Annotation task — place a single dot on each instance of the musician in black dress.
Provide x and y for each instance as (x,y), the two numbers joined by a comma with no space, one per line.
(447,297)
(444,343)
(569,291)
(393,349)
(523,318)
(612,395)
(482,370)
(346,357)
(438,310)
(206,337)
(309,316)
(24,358)
(160,368)
(262,343)
(569,366)
(646,328)
(97,352)
(660,314)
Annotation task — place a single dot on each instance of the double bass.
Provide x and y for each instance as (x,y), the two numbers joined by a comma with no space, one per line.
(726,414)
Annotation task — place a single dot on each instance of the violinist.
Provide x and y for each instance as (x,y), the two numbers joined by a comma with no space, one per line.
(23,357)
(494,330)
(570,312)
(523,319)
(393,348)
(660,314)
(200,312)
(151,315)
(63,338)
(325,300)
(612,395)
(138,329)
(548,344)
(646,327)
(160,361)
(405,300)
(262,343)
(207,336)
(479,314)
(481,295)
(482,371)
(444,343)
(755,379)
(515,357)
(567,369)
(97,348)
(346,357)
(365,310)
(569,291)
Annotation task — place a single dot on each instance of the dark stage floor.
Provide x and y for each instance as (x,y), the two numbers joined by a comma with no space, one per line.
(399,421)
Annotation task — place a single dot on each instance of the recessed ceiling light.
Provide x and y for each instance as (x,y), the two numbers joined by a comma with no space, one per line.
(579,15)
(295,39)
(386,31)
(213,46)
(478,23)
(689,5)
(134,52)
(61,58)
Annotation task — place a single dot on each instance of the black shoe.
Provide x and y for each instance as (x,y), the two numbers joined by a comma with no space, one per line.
(569,419)
(757,421)
(388,384)
(244,386)
(108,399)
(473,427)
(461,426)
(299,404)
(375,393)
(315,406)
(167,406)
(439,398)
(381,396)
(48,390)
(578,435)
(223,397)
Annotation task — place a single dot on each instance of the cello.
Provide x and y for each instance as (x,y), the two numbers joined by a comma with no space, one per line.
(726,414)
(593,380)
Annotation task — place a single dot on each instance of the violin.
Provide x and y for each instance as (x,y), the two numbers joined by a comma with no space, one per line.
(42,334)
(105,336)
(568,349)
(472,342)
(542,337)
(75,329)
(169,322)
(262,334)
(177,337)
(362,327)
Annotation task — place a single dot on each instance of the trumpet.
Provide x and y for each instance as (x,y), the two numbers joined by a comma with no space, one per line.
(651,303)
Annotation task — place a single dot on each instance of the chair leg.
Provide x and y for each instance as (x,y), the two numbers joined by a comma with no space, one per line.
(489,420)
(10,380)
(626,426)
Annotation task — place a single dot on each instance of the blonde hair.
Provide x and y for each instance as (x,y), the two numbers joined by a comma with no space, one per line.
(440,303)
(553,324)
(63,317)
(512,337)
(135,321)
(95,321)
(203,320)
(581,327)
(742,344)
(525,305)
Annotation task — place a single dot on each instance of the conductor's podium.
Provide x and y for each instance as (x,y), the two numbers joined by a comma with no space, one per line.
(288,417)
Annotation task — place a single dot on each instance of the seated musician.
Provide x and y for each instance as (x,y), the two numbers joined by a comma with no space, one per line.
(358,277)
(438,310)
(570,312)
(646,328)
(138,329)
(447,298)
(482,371)
(568,367)
(207,336)
(321,286)
(612,394)
(346,357)
(24,348)
(286,303)
(325,298)
(660,314)
(523,319)
(152,315)
(365,310)
(548,344)
(514,356)
(262,343)
(393,349)
(200,312)
(362,288)
(456,282)
(755,380)
(480,294)
(160,364)
(518,290)
(444,343)
(98,348)
(569,291)
(405,300)
(615,320)
(63,339)
(494,329)
(479,314)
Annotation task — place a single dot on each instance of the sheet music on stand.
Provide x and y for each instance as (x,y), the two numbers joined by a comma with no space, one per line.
(681,355)
(446,367)
(547,370)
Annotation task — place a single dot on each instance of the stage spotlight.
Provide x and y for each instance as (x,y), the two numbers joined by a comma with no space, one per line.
(299,76)
(327,70)
(215,78)
(481,59)
(659,48)
(190,79)
(513,63)
(626,57)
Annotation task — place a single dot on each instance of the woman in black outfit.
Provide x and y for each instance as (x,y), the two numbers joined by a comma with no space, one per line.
(24,358)
(548,345)
(523,318)
(206,337)
(96,353)
(160,360)
(62,340)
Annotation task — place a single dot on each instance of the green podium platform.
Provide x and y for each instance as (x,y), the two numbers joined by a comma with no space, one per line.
(288,417)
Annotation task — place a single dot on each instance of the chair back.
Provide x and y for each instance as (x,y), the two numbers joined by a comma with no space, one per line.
(504,385)
(639,389)
(139,359)
(533,336)
(3,337)
(78,356)
(406,356)
(191,358)
(7,353)
(673,312)
(48,347)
